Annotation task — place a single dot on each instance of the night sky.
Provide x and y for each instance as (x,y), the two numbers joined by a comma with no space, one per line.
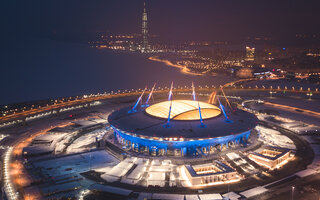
(171,19)
(44,50)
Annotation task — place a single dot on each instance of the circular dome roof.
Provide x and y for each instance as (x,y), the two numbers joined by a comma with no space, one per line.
(183,110)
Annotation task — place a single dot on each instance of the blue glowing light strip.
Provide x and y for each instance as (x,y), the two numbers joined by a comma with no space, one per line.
(170,92)
(193,93)
(139,99)
(222,108)
(150,94)
(168,122)
(201,121)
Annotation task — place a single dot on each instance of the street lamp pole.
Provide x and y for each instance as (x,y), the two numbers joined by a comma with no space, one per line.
(292,191)
(310,95)
(271,92)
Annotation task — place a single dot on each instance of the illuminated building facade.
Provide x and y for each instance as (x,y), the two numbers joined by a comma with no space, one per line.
(144,44)
(250,53)
(271,157)
(210,173)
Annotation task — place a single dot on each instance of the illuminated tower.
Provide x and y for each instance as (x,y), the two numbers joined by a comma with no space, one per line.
(250,53)
(144,45)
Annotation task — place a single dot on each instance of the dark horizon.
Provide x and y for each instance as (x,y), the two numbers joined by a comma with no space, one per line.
(178,20)
(32,51)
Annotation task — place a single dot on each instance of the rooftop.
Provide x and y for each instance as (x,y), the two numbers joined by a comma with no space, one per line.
(183,110)
(142,124)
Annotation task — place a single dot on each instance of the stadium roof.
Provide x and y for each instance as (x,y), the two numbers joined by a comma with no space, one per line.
(144,124)
(183,110)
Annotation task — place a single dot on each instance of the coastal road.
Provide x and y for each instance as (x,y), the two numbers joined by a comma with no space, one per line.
(82,101)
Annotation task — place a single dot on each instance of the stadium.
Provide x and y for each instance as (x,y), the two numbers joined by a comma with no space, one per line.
(181,127)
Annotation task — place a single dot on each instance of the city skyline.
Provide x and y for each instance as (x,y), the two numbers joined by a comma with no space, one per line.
(178,20)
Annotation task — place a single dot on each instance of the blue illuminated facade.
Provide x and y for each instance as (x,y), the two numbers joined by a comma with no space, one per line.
(177,146)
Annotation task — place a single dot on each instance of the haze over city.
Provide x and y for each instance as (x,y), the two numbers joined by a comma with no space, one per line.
(172,20)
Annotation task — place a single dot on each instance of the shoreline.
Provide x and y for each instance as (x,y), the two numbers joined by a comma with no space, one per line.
(183,69)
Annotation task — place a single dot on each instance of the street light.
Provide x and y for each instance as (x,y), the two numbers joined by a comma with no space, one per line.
(292,191)
(310,95)
(271,93)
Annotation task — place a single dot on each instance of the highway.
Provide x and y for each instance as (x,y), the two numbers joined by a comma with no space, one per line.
(227,87)
(290,108)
